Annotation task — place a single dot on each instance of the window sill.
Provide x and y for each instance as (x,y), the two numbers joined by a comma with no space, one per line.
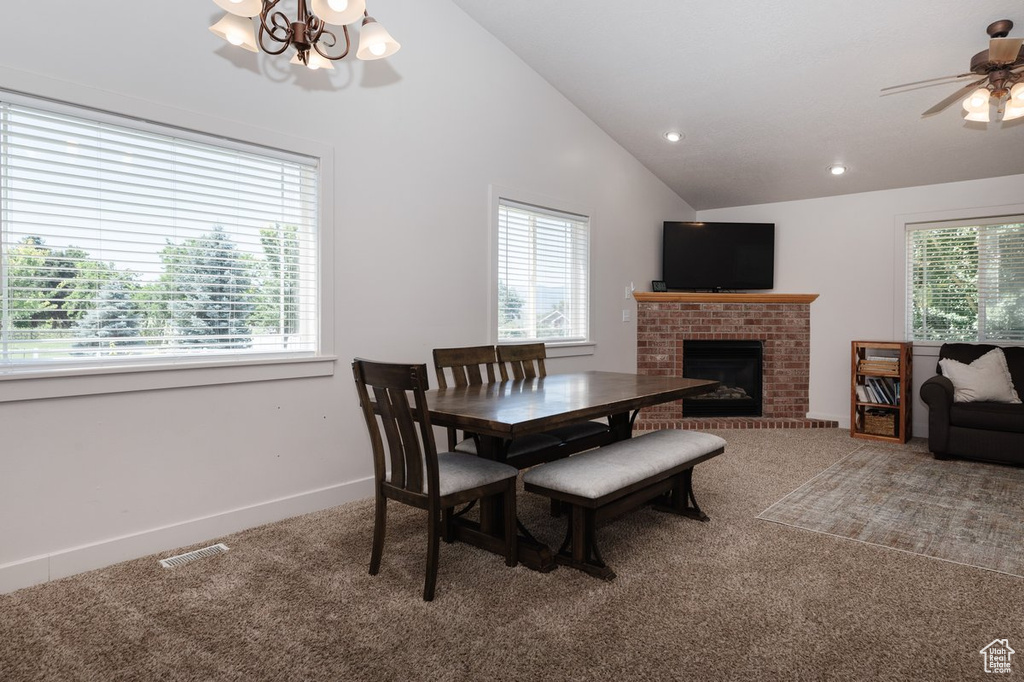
(932,347)
(566,350)
(63,383)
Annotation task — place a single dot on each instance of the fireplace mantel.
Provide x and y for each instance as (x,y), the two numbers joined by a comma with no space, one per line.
(681,297)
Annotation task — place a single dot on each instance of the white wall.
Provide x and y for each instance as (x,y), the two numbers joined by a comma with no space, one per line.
(848,250)
(417,140)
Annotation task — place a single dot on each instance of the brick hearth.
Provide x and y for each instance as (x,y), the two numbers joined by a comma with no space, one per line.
(782,322)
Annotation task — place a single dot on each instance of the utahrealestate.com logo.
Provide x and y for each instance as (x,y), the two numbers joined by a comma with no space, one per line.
(997,655)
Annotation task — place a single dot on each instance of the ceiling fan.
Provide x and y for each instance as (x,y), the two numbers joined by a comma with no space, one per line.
(1001,86)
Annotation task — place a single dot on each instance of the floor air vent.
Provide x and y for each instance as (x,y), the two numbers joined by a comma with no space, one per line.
(189,557)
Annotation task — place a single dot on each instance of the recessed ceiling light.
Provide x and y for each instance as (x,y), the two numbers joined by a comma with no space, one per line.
(674,136)
(837,169)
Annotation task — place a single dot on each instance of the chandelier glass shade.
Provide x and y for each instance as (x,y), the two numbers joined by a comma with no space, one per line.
(313,30)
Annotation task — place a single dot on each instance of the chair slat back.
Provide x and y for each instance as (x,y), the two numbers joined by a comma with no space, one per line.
(525,360)
(397,416)
(470,366)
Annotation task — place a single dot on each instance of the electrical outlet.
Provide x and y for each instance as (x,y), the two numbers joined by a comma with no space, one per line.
(625,316)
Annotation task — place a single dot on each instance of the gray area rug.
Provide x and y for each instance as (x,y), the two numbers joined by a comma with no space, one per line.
(964,512)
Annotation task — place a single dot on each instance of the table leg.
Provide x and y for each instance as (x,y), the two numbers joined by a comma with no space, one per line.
(621,425)
(496,449)
(489,533)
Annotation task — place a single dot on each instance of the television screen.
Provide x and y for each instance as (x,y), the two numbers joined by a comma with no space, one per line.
(719,256)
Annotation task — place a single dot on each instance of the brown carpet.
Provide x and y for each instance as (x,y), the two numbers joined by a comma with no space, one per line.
(733,599)
(964,512)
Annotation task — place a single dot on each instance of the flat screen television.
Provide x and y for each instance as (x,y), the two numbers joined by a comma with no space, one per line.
(718,256)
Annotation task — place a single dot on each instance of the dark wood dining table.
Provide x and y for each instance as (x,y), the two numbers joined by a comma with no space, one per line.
(501,411)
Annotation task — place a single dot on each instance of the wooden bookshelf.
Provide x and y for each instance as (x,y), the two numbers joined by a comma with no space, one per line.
(880,390)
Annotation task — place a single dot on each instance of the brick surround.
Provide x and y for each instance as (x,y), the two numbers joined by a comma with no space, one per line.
(781,322)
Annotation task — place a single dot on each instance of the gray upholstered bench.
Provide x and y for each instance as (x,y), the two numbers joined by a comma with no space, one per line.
(606,482)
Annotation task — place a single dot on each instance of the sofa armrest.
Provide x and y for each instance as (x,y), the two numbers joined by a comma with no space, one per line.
(937,394)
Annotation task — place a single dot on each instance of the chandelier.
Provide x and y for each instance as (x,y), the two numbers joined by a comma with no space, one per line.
(312,33)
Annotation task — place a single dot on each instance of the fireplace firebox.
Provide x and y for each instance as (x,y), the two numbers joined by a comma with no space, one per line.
(737,365)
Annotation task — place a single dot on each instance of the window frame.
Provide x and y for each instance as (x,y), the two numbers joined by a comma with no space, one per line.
(497,194)
(179,372)
(904,224)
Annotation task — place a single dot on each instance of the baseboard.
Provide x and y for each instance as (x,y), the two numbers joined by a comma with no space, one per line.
(66,562)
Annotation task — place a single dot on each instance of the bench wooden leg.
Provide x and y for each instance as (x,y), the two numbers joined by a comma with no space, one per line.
(681,500)
(579,550)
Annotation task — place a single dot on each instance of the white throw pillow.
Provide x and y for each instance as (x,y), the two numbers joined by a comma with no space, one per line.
(986,379)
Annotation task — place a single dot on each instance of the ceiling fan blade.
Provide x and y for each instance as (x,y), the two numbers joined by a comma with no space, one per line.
(962,92)
(930,80)
(1004,50)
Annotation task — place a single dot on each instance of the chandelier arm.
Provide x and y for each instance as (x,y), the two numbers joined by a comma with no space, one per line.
(279,28)
(333,41)
(285,42)
(315,28)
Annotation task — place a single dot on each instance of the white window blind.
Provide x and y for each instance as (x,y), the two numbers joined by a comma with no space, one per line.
(124,242)
(965,281)
(543,261)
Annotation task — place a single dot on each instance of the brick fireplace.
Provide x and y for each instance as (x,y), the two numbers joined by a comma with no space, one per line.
(780,322)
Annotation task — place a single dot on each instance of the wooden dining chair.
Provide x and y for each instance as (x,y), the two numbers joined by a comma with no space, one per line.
(408,469)
(474,366)
(526,361)
(521,361)
(469,366)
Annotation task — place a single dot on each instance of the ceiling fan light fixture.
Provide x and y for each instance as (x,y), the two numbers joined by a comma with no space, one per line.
(1013,112)
(1017,95)
(836,169)
(979,116)
(977,102)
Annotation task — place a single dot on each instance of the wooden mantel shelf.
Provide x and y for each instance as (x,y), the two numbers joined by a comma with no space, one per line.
(681,297)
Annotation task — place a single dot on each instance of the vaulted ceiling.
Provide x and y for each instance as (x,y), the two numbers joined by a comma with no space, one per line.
(770,93)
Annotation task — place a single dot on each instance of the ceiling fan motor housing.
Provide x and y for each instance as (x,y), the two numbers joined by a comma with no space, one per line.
(981,64)
(999,29)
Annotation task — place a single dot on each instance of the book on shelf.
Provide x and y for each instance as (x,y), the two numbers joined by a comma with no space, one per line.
(883,389)
(870,391)
(862,394)
(882,358)
(876,390)
(878,366)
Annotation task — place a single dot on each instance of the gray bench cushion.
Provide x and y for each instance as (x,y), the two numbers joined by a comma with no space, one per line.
(597,473)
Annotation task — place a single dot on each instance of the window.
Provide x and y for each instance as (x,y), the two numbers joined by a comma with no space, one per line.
(543,263)
(965,280)
(124,242)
